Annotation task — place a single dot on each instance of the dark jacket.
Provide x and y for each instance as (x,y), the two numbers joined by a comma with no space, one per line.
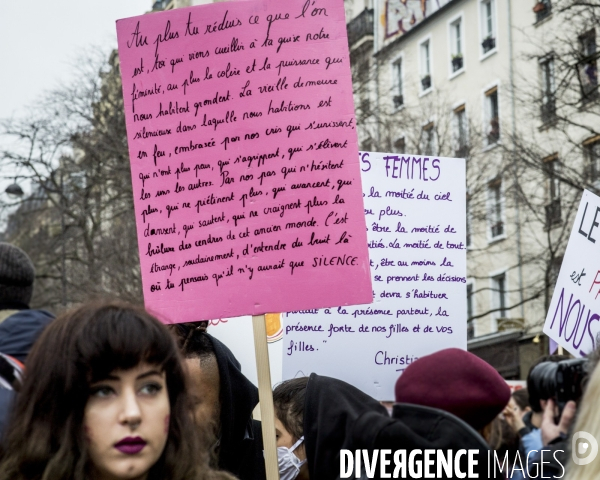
(527,421)
(6,399)
(339,416)
(17,335)
(331,410)
(19,332)
(241,446)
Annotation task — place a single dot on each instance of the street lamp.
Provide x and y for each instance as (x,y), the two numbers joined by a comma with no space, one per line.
(15,190)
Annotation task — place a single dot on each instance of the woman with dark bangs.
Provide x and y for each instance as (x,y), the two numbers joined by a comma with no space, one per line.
(104,399)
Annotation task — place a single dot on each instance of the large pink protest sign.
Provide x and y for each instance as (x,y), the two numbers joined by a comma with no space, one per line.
(244,159)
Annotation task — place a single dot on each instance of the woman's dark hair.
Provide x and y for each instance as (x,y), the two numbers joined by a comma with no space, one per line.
(288,398)
(45,439)
(502,438)
(521,398)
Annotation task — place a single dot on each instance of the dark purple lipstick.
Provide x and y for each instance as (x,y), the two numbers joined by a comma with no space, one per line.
(130,445)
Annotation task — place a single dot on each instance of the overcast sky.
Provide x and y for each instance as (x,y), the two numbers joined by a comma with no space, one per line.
(42,38)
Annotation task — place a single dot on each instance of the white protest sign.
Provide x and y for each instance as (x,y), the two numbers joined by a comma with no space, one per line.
(236,333)
(573,319)
(416,220)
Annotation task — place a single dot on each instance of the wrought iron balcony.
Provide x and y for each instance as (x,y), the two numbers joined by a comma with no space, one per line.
(398,101)
(553,213)
(426,82)
(497,229)
(548,110)
(457,63)
(361,26)
(488,44)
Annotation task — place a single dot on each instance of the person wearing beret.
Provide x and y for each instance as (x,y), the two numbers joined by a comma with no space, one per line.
(458,382)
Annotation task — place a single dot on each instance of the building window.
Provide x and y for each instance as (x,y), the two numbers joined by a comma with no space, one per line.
(488,29)
(456,45)
(425,52)
(399,81)
(548,90)
(428,139)
(470,320)
(592,152)
(542,9)
(495,209)
(400,146)
(492,116)
(460,125)
(588,66)
(552,172)
(499,300)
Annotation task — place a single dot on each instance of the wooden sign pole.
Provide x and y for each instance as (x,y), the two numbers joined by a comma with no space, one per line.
(265,394)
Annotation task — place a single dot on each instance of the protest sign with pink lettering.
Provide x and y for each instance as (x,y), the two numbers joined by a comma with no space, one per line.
(244,159)
(573,318)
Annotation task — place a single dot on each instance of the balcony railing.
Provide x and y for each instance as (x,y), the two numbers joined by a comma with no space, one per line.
(398,101)
(553,213)
(426,82)
(457,63)
(497,229)
(361,26)
(488,44)
(548,110)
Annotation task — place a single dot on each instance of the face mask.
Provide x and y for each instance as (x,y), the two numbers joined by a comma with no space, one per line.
(289,464)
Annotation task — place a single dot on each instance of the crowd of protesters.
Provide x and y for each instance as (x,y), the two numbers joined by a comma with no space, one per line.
(107,392)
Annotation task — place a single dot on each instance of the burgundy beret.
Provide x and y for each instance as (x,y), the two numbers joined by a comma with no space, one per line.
(457,382)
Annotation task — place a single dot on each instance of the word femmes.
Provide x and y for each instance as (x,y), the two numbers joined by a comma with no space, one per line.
(412,168)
